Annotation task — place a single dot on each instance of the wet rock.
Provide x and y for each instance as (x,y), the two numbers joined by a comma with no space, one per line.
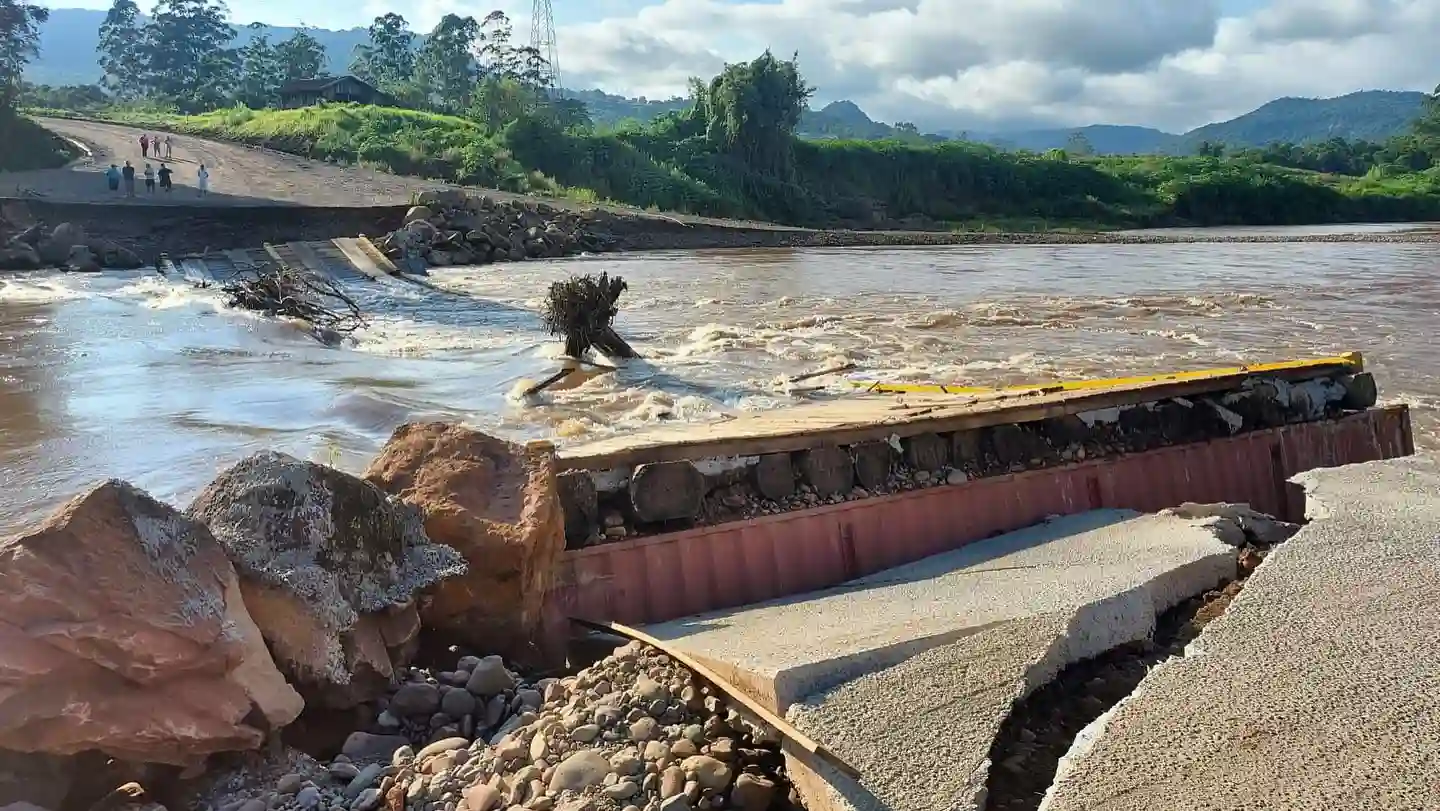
(495,502)
(873,463)
(81,260)
(774,476)
(828,469)
(1360,391)
(458,703)
(113,255)
(926,452)
(581,504)
(666,491)
(20,257)
(121,605)
(324,558)
(54,250)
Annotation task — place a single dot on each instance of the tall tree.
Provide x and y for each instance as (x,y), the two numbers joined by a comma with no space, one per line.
(120,50)
(19,43)
(301,57)
(387,60)
(446,67)
(260,70)
(187,54)
(751,111)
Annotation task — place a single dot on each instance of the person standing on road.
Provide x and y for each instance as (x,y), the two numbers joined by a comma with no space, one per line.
(165,178)
(144,145)
(112,177)
(128,174)
(202,180)
(169,148)
(149,179)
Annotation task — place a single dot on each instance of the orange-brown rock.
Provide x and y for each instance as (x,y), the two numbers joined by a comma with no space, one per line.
(122,629)
(329,566)
(497,503)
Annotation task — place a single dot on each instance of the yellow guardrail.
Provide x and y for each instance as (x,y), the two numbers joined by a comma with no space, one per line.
(1353,362)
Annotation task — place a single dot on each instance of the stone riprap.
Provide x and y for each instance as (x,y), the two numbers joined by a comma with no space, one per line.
(621,503)
(909,673)
(1319,688)
(452,227)
(634,732)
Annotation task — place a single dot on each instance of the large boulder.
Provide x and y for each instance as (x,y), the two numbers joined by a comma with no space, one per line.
(330,567)
(498,504)
(122,629)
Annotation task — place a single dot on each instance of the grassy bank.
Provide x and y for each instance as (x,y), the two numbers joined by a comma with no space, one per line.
(673,166)
(27,145)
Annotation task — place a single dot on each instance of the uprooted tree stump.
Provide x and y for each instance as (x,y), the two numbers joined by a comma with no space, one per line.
(582,310)
(278,290)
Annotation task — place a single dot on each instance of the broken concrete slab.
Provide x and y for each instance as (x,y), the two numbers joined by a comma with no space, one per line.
(954,639)
(1315,690)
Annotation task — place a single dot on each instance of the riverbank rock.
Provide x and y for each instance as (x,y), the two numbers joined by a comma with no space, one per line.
(122,606)
(449,227)
(330,567)
(634,730)
(498,504)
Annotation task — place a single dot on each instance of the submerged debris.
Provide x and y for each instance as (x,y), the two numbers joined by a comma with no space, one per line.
(278,290)
(582,309)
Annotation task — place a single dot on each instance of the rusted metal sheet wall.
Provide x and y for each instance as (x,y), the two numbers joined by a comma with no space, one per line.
(670,576)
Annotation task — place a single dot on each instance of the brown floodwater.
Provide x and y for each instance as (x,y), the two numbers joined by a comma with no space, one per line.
(137,377)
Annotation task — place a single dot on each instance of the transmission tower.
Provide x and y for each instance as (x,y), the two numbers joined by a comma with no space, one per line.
(542,39)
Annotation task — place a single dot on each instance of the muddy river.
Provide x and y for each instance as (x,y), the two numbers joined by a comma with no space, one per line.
(137,377)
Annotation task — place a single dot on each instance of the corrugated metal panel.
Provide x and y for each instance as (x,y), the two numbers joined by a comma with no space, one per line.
(670,576)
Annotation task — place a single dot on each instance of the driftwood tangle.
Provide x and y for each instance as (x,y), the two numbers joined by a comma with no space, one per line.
(278,290)
(582,310)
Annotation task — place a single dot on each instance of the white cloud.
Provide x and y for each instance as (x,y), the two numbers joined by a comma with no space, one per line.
(977,63)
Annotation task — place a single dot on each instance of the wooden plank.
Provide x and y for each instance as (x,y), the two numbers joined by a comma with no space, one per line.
(242,260)
(1354,360)
(794,736)
(358,257)
(309,258)
(381,260)
(869,418)
(196,272)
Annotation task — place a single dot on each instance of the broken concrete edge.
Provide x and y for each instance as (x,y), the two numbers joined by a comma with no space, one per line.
(615,504)
(1090,736)
(1093,629)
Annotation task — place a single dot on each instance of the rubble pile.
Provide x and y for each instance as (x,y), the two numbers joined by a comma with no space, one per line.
(450,227)
(28,245)
(636,731)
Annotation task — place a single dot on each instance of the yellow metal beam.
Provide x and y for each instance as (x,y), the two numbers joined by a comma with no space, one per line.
(1354,362)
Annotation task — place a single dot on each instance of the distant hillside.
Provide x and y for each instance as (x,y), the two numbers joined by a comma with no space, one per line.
(1370,115)
(1107,139)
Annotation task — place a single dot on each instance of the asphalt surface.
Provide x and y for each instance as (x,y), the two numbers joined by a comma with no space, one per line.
(1317,690)
(908,674)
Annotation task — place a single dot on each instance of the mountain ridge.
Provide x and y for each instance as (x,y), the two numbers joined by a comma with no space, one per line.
(68,55)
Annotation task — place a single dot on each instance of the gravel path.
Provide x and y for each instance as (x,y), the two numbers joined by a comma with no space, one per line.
(239,175)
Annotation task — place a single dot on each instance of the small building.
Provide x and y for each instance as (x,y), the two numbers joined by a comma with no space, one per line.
(307,92)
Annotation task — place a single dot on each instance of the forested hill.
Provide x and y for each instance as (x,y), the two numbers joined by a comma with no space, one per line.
(1370,115)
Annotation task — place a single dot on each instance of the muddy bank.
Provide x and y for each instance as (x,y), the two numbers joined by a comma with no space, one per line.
(150,230)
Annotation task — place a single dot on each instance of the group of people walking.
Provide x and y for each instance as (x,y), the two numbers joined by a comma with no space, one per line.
(117,176)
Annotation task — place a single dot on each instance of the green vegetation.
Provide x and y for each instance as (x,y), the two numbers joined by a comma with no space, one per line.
(480,111)
(26,146)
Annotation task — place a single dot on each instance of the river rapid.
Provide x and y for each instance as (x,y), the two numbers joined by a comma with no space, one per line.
(139,377)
